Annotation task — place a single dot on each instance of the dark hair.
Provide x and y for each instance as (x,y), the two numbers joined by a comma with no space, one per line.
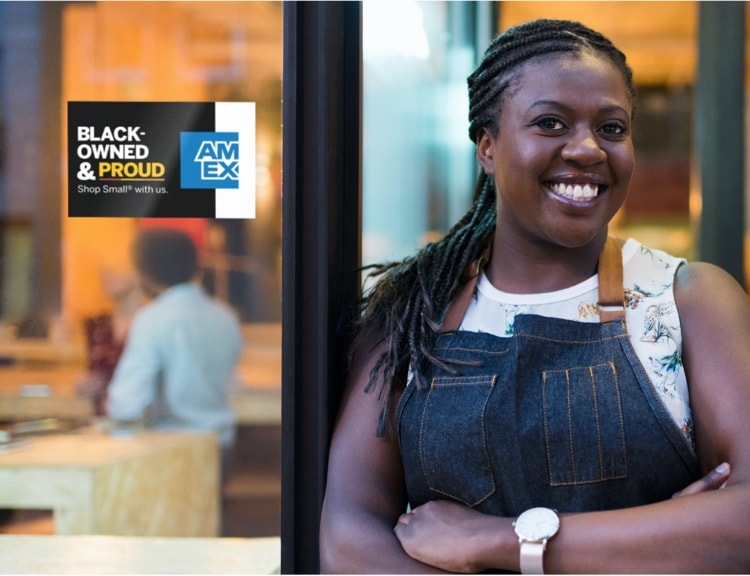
(403,311)
(165,256)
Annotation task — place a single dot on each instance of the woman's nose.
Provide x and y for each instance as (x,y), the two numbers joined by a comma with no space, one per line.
(583,148)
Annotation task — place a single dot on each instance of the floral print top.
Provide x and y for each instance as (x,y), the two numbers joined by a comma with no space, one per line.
(651,316)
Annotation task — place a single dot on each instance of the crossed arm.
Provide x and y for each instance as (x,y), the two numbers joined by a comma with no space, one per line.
(701,529)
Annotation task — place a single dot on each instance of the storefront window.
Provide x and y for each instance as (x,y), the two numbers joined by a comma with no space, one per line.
(57,272)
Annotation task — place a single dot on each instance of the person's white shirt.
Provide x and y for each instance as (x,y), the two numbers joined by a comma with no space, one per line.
(177,365)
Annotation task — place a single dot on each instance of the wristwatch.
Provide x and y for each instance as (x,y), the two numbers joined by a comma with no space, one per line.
(534,528)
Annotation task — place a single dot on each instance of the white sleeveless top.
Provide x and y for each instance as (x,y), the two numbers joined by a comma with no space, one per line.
(651,315)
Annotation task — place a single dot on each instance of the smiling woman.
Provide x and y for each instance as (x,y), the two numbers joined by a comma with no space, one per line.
(530,364)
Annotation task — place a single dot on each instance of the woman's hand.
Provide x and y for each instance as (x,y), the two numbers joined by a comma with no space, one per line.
(451,536)
(716,479)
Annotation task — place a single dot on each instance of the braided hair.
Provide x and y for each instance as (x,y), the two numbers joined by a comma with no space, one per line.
(403,311)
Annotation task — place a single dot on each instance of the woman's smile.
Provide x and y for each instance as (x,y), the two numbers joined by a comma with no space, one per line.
(576,192)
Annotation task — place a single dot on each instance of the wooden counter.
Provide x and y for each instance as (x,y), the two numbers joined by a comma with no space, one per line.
(34,407)
(147,484)
(58,379)
(42,350)
(252,407)
(255,397)
(130,555)
(257,404)
(29,391)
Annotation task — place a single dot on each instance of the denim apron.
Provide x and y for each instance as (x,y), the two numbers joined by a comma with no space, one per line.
(561,414)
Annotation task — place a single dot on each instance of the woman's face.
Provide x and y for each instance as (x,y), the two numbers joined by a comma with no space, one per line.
(563,156)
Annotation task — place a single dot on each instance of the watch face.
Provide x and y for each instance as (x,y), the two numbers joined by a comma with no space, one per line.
(537,524)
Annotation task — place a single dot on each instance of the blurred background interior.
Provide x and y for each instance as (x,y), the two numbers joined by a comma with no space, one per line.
(418,169)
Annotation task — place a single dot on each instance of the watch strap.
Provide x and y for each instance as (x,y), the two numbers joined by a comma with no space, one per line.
(532,557)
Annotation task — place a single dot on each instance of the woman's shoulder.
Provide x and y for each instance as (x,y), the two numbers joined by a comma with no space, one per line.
(702,286)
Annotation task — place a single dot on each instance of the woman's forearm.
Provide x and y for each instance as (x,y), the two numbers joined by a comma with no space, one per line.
(702,533)
(697,533)
(357,543)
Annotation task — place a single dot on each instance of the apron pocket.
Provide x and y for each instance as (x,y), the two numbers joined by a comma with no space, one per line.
(583,425)
(452,440)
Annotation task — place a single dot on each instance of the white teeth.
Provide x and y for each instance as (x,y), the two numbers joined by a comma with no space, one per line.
(581,192)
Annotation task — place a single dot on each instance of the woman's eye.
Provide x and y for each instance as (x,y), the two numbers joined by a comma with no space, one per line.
(614,129)
(550,124)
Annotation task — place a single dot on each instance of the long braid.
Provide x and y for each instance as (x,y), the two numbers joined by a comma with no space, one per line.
(402,313)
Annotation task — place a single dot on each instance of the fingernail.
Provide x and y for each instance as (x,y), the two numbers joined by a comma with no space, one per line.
(722,468)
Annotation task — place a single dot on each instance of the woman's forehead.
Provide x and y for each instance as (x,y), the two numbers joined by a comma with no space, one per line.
(569,70)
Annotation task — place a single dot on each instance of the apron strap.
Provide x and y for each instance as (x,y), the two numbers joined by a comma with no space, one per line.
(611,291)
(611,294)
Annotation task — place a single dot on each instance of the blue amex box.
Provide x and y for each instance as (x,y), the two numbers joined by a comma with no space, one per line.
(161,159)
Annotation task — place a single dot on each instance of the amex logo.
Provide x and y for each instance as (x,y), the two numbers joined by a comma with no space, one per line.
(209,160)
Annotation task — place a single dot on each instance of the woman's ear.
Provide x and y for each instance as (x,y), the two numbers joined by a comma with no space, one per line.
(485,152)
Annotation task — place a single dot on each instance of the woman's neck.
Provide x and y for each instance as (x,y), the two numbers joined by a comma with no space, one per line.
(528,268)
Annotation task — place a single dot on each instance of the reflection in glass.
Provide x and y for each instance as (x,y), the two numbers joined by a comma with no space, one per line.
(417,155)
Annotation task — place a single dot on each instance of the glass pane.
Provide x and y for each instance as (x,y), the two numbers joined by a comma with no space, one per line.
(418,161)
(57,272)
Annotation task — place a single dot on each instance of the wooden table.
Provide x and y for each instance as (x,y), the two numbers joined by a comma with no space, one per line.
(251,406)
(147,484)
(255,399)
(17,407)
(132,555)
(43,350)
(29,391)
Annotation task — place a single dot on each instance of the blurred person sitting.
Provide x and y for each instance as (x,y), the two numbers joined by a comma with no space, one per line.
(181,349)
(105,332)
